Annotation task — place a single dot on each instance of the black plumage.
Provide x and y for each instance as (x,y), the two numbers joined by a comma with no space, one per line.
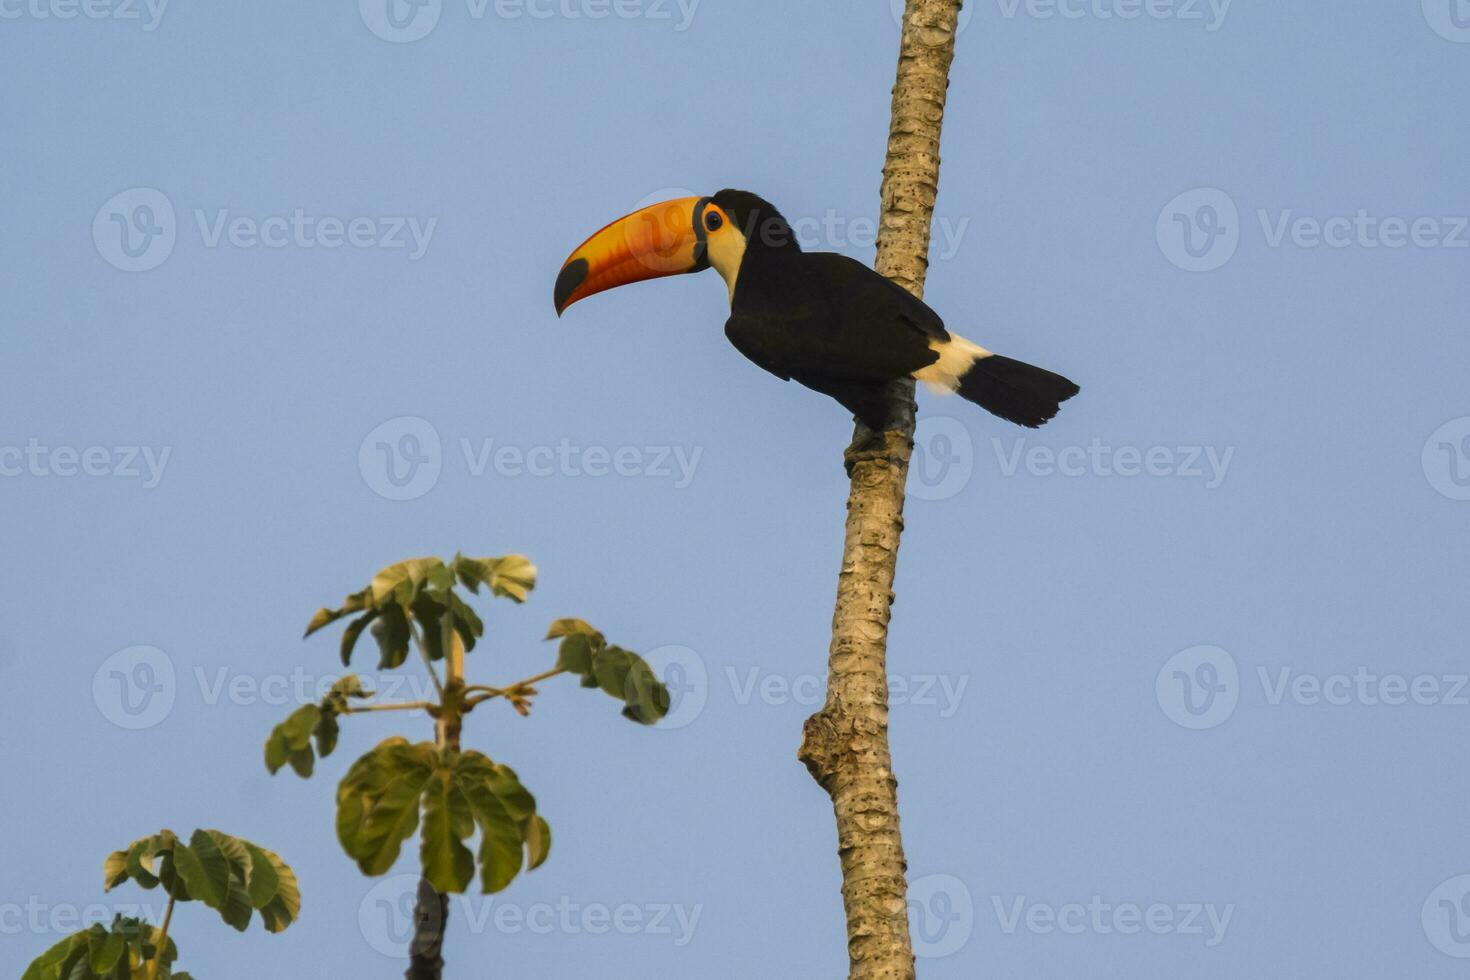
(834,325)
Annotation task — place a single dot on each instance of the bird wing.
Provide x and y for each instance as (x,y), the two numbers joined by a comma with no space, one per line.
(839,320)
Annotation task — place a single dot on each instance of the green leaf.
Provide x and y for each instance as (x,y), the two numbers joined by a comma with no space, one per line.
(611,669)
(512,576)
(393,636)
(351,634)
(263,882)
(326,733)
(646,696)
(621,673)
(402,582)
(47,966)
(466,622)
(208,868)
(348,687)
(501,849)
(430,614)
(506,785)
(447,863)
(284,904)
(104,950)
(140,856)
(568,627)
(114,870)
(538,843)
(290,741)
(575,654)
(356,602)
(378,801)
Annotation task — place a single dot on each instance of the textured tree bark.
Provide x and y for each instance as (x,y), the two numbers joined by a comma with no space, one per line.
(845,744)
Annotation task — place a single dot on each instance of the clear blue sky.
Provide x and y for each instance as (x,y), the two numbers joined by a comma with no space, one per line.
(1123,201)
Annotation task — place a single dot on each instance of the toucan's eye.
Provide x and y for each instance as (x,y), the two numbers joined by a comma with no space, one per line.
(713,221)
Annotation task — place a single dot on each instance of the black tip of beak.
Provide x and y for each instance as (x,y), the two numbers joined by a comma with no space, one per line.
(571,276)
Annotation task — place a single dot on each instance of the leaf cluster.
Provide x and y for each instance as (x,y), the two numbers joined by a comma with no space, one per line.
(621,673)
(229,874)
(291,741)
(421,590)
(399,786)
(123,951)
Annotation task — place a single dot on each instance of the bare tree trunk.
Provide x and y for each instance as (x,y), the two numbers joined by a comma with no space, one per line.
(430,916)
(845,744)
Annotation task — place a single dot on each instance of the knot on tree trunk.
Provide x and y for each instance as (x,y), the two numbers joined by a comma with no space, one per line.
(821,746)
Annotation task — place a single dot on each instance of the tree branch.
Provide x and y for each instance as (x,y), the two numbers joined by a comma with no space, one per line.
(845,744)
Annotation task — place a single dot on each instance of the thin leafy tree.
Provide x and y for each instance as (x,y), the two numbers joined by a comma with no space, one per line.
(845,744)
(441,790)
(233,876)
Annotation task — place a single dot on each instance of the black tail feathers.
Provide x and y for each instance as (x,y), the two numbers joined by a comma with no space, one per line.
(1016,391)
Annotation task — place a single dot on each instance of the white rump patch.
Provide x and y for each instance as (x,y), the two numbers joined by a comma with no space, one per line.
(955,358)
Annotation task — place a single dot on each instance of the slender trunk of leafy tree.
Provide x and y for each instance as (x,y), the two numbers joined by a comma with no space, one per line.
(430,916)
(845,744)
(431,910)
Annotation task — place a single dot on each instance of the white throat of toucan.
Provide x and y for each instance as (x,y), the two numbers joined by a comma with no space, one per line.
(726,251)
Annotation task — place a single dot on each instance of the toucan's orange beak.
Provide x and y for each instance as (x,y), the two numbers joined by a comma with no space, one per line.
(663,240)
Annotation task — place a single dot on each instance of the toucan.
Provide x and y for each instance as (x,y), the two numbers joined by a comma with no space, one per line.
(822,319)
